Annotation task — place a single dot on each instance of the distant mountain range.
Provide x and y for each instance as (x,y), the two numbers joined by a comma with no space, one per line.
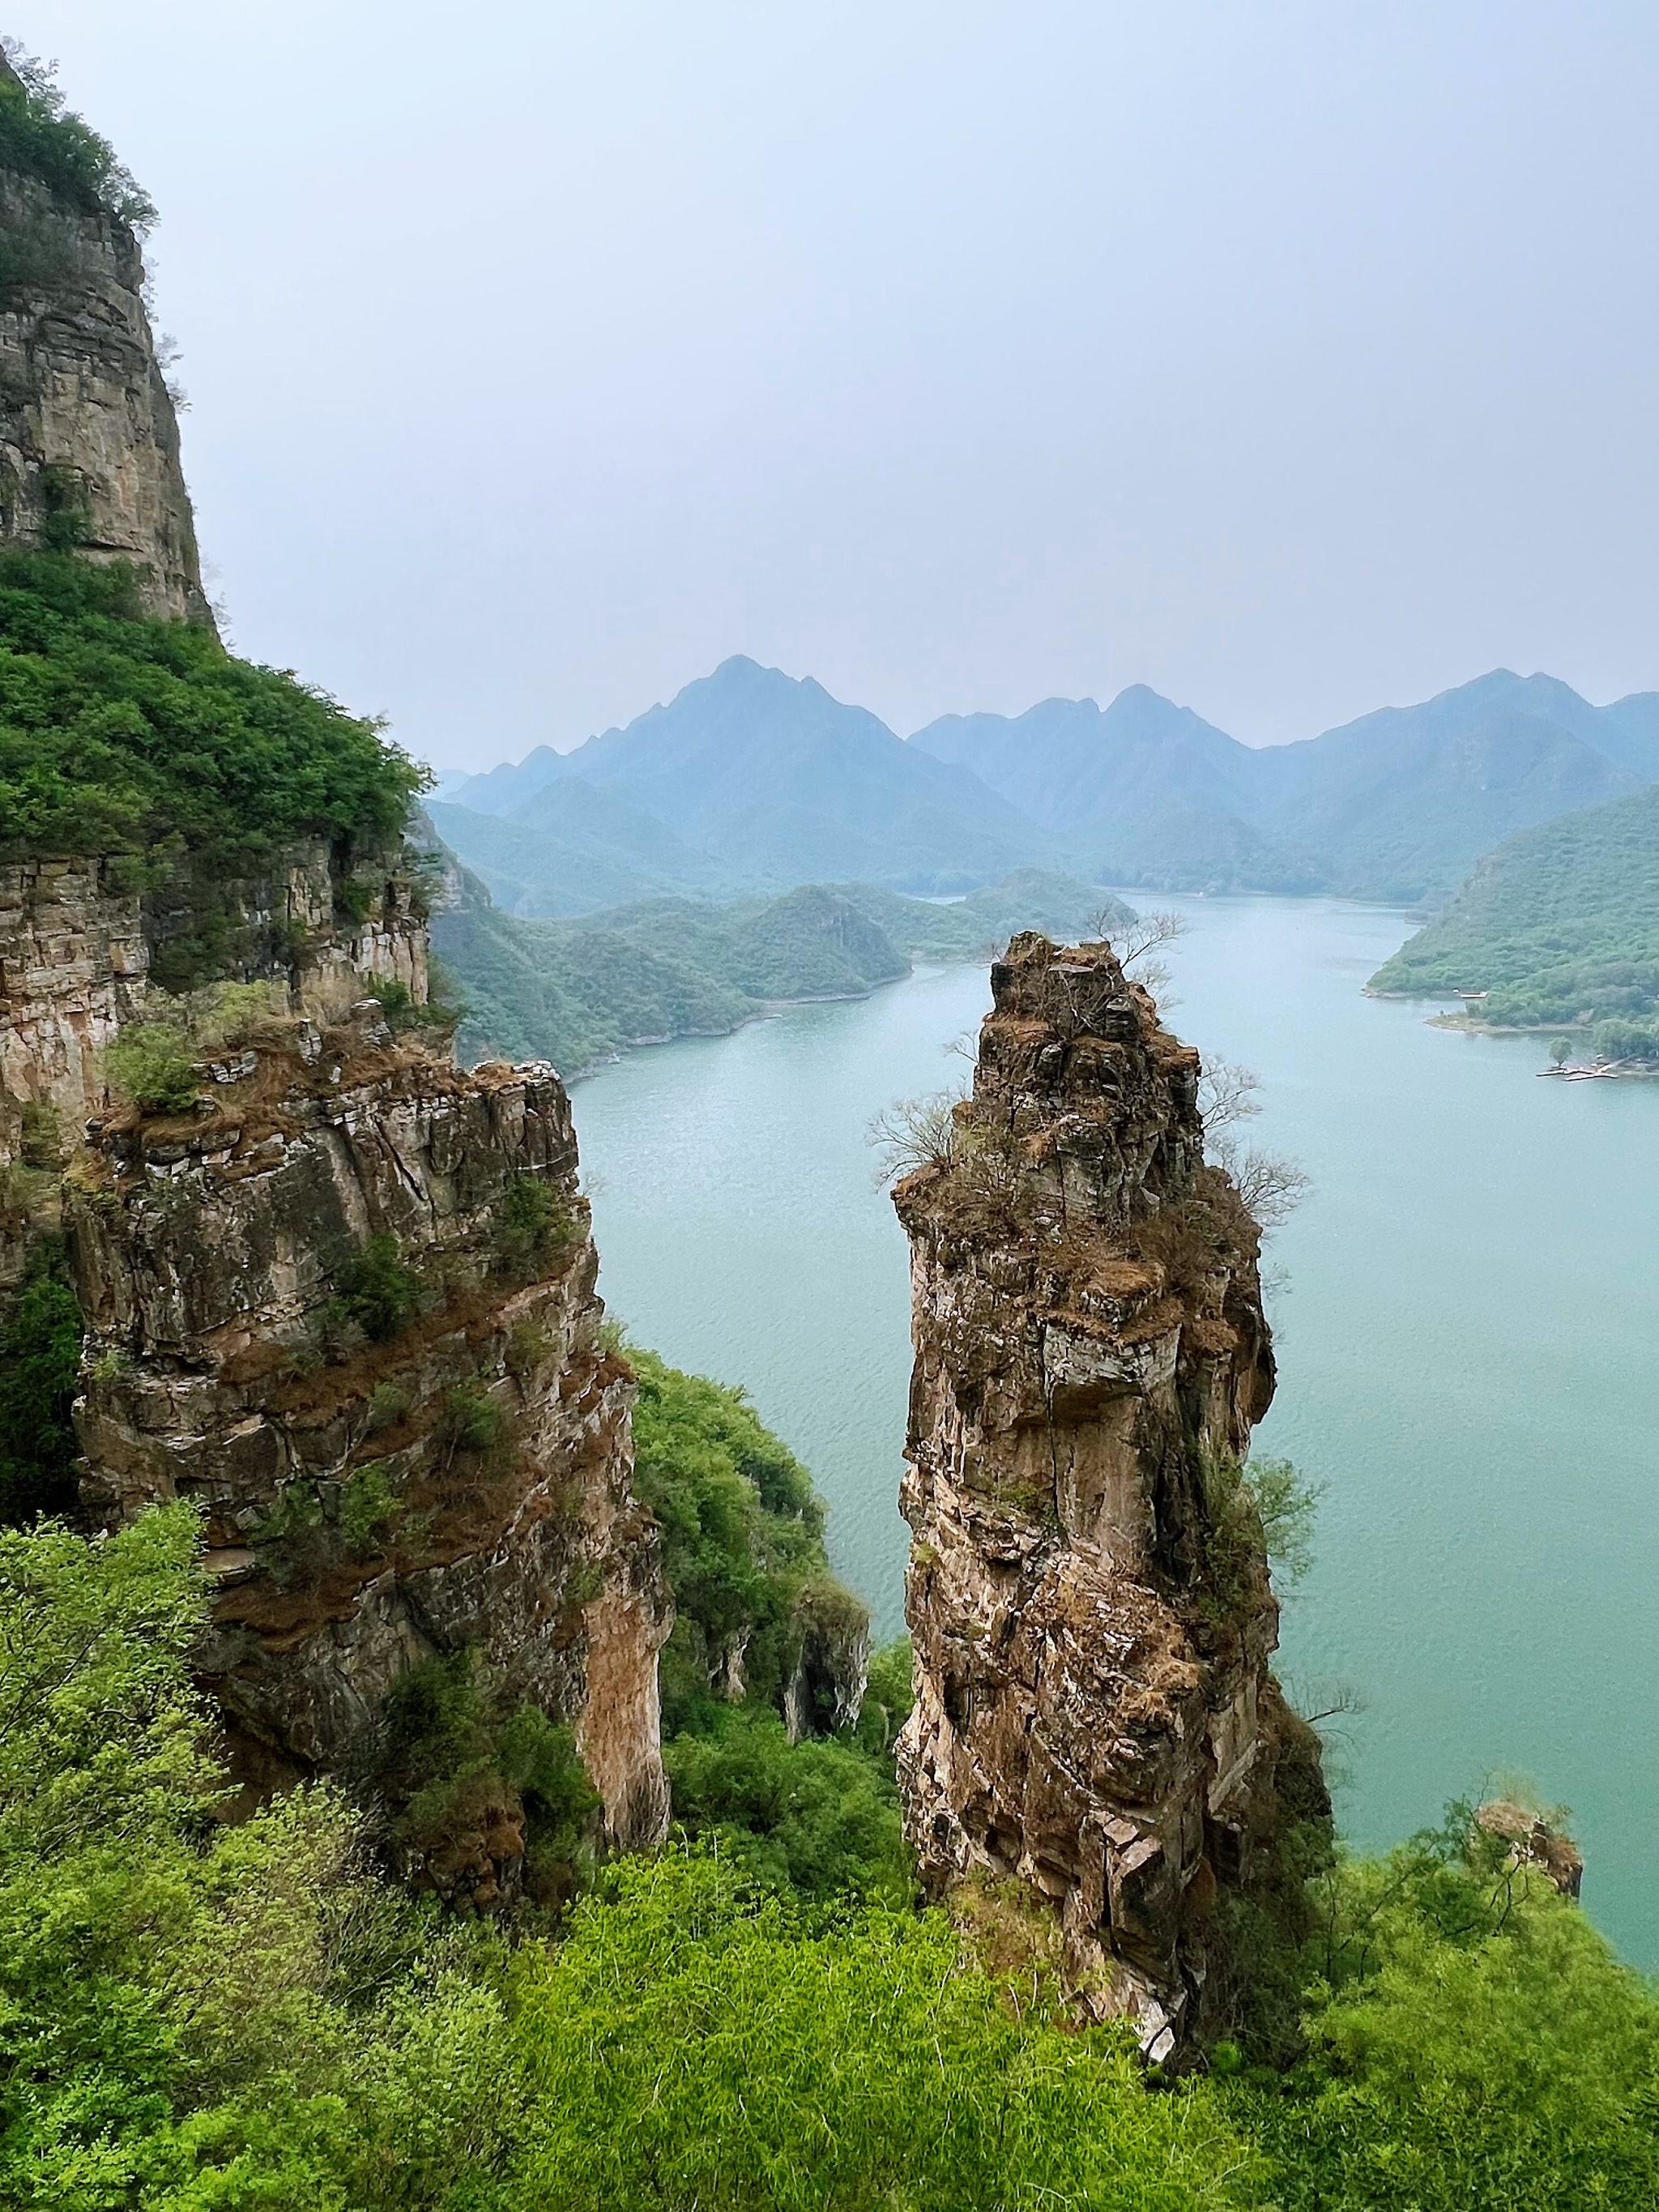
(751,782)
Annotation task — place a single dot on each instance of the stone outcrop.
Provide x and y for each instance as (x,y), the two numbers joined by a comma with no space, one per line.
(449,1474)
(88,426)
(1530,1840)
(1088,1594)
(77,942)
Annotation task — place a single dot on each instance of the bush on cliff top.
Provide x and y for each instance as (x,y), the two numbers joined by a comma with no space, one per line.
(44,138)
(120,733)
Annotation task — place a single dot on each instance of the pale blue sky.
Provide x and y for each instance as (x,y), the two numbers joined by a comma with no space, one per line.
(1293,357)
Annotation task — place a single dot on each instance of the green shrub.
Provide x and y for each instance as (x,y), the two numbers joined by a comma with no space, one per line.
(473,1422)
(151,1064)
(698,2042)
(40,135)
(377,1292)
(456,1747)
(742,1532)
(1472,2046)
(889,1696)
(39,1362)
(404,1012)
(1285,1507)
(370,1510)
(816,1816)
(120,733)
(533,1224)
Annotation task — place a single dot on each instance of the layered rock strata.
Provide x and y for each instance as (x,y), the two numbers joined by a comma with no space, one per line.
(437,1463)
(88,431)
(1095,1720)
(78,938)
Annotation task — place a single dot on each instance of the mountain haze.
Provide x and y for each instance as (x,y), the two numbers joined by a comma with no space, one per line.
(749,781)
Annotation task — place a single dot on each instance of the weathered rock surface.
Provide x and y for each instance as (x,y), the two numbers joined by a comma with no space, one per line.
(86,419)
(1087,1591)
(76,949)
(1531,1841)
(209,1252)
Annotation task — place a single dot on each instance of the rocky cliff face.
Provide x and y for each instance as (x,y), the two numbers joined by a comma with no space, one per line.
(77,944)
(1087,1591)
(347,1305)
(88,429)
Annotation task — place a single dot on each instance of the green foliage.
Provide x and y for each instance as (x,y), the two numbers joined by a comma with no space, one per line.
(406,1014)
(1285,1507)
(195,2018)
(815,1816)
(889,1695)
(1472,2044)
(456,1751)
(39,1360)
(533,1224)
(121,732)
(40,136)
(151,1064)
(1626,1040)
(370,1510)
(743,1533)
(377,1292)
(698,2042)
(1560,926)
(1262,1512)
(473,1422)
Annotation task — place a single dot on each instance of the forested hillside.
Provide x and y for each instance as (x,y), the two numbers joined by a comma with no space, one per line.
(1558,927)
(750,783)
(574,993)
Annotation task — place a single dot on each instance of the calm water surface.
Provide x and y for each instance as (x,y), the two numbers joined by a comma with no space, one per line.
(1465,1332)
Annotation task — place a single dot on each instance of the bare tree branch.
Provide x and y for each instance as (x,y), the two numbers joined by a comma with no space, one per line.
(1226,1094)
(916,1133)
(1271,1185)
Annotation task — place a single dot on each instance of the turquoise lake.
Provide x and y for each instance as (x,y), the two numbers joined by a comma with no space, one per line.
(1466,1307)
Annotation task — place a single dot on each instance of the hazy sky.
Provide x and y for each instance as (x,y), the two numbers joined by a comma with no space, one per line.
(1291,358)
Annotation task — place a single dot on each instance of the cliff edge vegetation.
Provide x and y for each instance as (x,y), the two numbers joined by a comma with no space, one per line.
(122,733)
(1558,928)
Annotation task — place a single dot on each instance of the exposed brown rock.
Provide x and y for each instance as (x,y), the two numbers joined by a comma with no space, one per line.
(1087,1591)
(208,1252)
(86,417)
(1534,1841)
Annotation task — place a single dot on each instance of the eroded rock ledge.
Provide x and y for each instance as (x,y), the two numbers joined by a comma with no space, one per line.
(1087,1590)
(378,1487)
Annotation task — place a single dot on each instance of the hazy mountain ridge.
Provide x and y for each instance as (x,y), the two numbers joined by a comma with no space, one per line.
(751,782)
(576,991)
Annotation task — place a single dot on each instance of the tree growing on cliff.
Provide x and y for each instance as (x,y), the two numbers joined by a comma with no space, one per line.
(913,1133)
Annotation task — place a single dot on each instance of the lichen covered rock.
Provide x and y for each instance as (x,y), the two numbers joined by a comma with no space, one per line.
(1087,1592)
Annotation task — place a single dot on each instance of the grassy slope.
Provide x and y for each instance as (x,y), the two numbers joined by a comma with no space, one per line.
(1560,924)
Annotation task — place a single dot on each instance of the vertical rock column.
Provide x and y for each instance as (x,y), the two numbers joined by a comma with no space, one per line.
(1087,1591)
